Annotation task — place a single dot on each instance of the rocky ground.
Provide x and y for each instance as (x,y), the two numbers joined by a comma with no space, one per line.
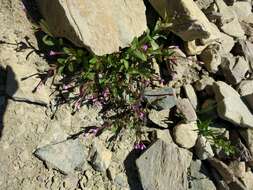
(212,77)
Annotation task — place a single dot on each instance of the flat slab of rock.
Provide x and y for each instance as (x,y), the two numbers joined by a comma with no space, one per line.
(245,89)
(234,69)
(188,21)
(21,90)
(191,95)
(65,156)
(102,26)
(161,98)
(160,118)
(185,108)
(229,20)
(230,107)
(245,48)
(164,166)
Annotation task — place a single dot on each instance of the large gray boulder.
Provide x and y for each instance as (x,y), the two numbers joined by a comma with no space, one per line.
(102,26)
(164,166)
(186,18)
(230,107)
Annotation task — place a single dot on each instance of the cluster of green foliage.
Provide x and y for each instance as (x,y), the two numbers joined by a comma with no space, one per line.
(117,81)
(218,140)
(114,81)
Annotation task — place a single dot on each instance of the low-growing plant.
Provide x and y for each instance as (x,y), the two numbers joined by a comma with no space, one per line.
(116,82)
(218,140)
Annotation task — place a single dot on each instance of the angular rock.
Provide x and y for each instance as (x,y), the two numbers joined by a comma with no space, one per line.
(200,177)
(242,153)
(203,148)
(239,168)
(183,70)
(101,26)
(234,69)
(229,22)
(245,48)
(242,9)
(211,57)
(100,157)
(230,107)
(21,90)
(191,95)
(185,108)
(189,23)
(227,43)
(204,4)
(247,26)
(204,83)
(194,48)
(160,161)
(161,98)
(247,136)
(248,180)
(65,156)
(223,170)
(163,135)
(245,89)
(160,118)
(185,135)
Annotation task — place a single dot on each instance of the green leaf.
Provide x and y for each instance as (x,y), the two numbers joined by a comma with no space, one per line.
(93,60)
(140,55)
(126,63)
(60,70)
(71,67)
(61,42)
(90,76)
(80,52)
(48,40)
(67,51)
(154,45)
(62,61)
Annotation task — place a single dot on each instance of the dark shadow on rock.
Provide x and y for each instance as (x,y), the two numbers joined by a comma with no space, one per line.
(3,96)
(131,170)
(151,15)
(32,10)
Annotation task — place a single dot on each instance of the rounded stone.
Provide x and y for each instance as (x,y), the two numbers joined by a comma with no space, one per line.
(185,135)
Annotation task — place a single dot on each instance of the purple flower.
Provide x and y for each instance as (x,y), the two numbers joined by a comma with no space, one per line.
(142,115)
(66,87)
(139,146)
(161,81)
(106,92)
(93,131)
(53,53)
(145,47)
